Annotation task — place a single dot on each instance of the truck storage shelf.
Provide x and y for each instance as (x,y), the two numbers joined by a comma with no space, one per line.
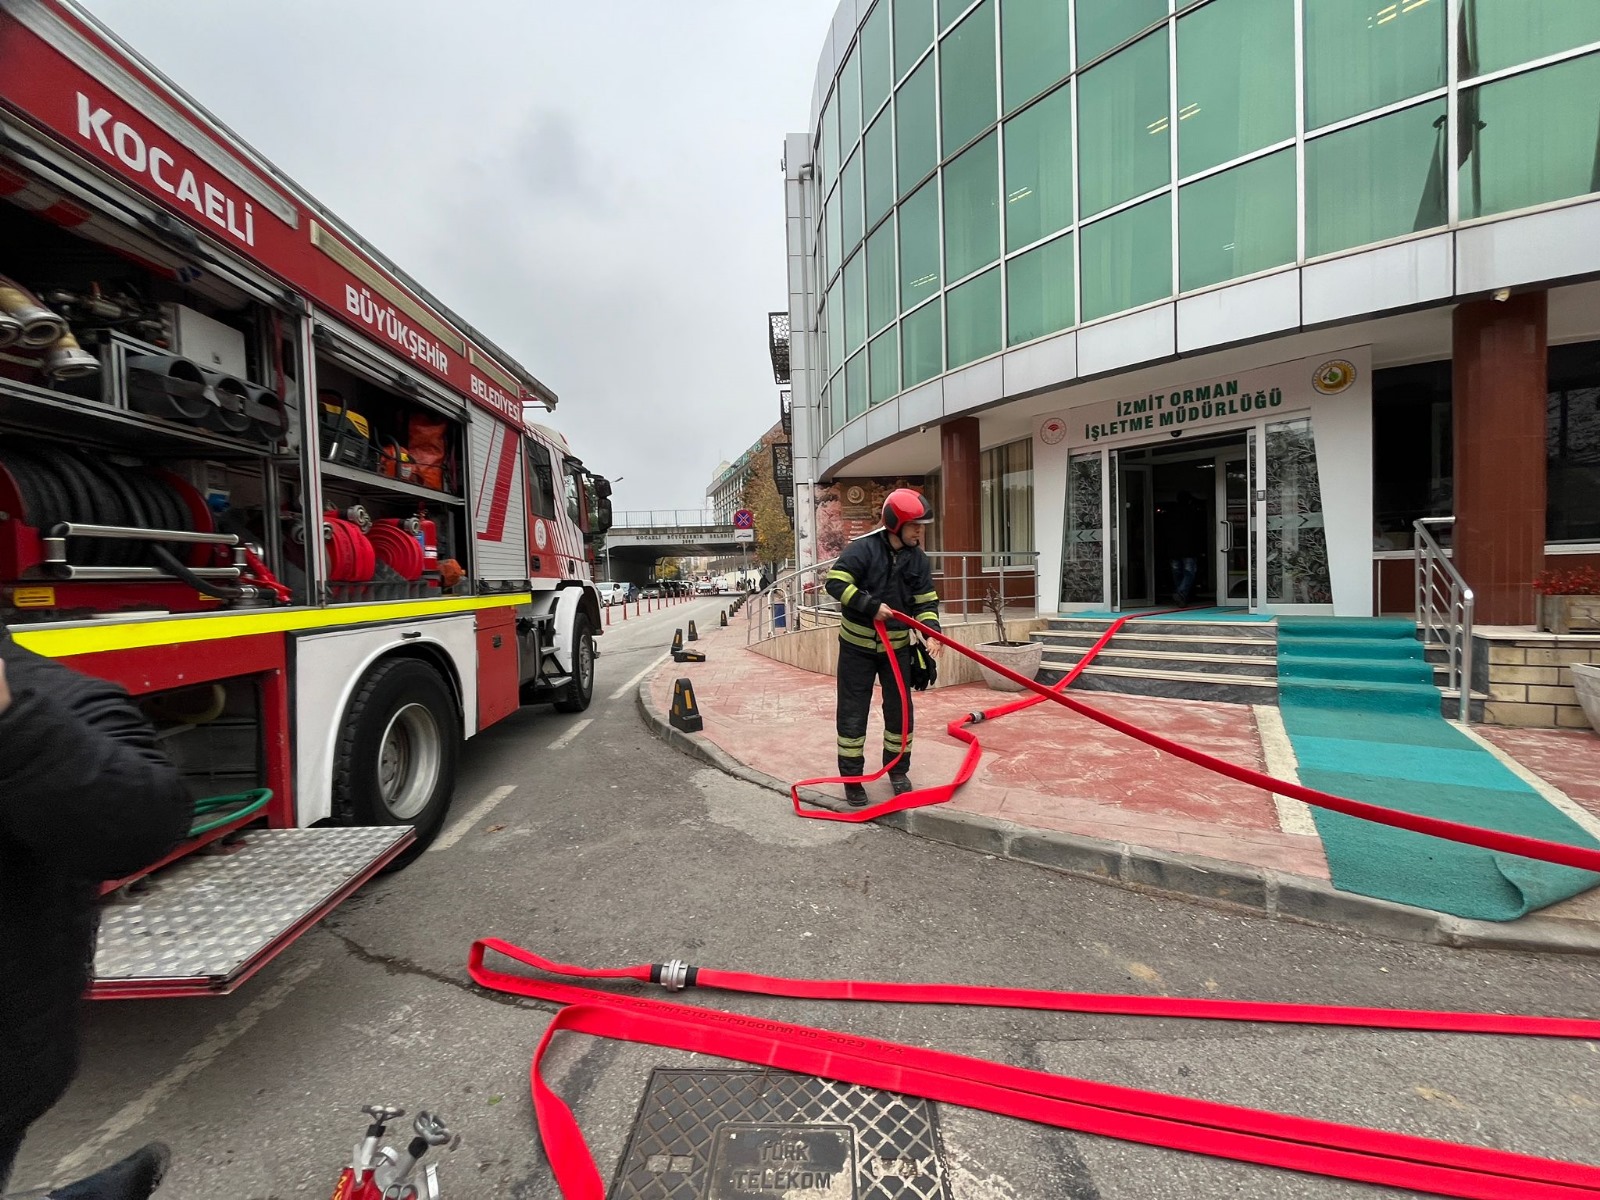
(206,925)
(34,410)
(371,479)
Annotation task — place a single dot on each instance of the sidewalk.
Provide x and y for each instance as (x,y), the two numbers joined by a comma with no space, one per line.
(1061,791)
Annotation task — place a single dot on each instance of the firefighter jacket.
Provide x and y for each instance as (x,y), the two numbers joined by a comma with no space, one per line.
(85,796)
(871,572)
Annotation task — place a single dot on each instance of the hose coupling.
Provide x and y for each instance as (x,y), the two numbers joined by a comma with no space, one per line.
(674,975)
(976,718)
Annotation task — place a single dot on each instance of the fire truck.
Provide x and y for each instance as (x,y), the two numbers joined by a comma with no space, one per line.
(257,476)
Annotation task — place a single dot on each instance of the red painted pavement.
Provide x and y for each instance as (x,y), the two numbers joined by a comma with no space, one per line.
(1043,769)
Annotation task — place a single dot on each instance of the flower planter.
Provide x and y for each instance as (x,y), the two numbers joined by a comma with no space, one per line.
(1022,657)
(1569,614)
(1586,681)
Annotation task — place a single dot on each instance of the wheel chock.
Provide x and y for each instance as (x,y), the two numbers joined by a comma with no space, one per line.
(685,714)
(684,656)
(693,636)
(677,641)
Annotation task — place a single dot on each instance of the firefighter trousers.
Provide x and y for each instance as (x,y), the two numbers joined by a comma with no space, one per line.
(858,670)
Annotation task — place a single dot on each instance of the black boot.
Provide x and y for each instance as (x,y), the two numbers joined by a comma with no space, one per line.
(901,782)
(134,1178)
(855,795)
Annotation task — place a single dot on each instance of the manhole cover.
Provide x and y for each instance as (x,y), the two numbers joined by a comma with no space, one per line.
(761,1135)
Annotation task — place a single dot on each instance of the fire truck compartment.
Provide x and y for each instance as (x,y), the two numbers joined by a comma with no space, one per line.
(205,925)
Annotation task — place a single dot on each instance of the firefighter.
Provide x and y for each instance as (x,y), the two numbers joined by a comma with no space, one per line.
(85,796)
(879,571)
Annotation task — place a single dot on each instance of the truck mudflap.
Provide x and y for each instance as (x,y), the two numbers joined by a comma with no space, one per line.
(206,924)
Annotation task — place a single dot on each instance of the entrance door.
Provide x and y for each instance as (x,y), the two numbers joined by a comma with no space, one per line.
(1136,541)
(1234,526)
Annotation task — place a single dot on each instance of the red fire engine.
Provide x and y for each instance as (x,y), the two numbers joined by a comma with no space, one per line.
(253,473)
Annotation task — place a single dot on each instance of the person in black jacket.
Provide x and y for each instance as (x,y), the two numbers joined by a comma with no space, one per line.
(85,796)
(883,570)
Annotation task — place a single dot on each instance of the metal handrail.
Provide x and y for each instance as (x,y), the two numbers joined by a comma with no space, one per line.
(807,605)
(1444,609)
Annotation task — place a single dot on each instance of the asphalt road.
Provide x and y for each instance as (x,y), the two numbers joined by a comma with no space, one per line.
(583,838)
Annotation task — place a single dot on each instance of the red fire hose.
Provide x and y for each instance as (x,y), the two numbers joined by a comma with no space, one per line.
(1580,857)
(1152,1118)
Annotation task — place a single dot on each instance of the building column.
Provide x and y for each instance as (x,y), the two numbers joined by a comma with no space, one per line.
(961,515)
(1500,384)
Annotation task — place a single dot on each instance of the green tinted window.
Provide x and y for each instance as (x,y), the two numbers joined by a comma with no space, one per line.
(828,423)
(882,297)
(919,246)
(855,386)
(877,69)
(1039,291)
(1235,80)
(1376,181)
(855,303)
(849,104)
(916,134)
(883,366)
(1127,259)
(972,209)
(922,345)
(972,312)
(835,232)
(1039,170)
(966,78)
(836,324)
(878,147)
(1503,33)
(1537,138)
(1238,222)
(1355,63)
(949,10)
(850,202)
(1103,24)
(1035,47)
(830,140)
(913,32)
(1123,126)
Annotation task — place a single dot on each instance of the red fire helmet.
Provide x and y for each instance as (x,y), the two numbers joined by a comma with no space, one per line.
(904,506)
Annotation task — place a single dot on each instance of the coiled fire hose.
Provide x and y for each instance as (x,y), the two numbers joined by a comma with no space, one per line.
(1131,1114)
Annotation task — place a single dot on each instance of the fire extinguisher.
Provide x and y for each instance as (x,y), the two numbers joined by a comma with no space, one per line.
(430,545)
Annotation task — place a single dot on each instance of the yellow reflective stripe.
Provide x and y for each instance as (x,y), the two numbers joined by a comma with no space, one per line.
(897,637)
(69,640)
(836,573)
(848,594)
(925,598)
(926,617)
(855,639)
(850,741)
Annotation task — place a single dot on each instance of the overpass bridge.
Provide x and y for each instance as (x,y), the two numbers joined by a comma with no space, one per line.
(639,538)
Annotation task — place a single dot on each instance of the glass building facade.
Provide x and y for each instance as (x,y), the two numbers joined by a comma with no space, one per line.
(992,173)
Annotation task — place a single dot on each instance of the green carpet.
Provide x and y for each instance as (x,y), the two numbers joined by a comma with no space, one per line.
(1363,716)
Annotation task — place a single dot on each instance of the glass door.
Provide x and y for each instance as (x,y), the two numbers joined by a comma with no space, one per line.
(1136,535)
(1234,527)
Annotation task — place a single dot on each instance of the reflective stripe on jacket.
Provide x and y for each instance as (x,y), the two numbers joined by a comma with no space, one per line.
(871,572)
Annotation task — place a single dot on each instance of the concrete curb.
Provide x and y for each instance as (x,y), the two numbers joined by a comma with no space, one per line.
(1253,890)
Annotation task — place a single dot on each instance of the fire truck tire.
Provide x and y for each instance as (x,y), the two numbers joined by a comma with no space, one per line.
(396,761)
(575,696)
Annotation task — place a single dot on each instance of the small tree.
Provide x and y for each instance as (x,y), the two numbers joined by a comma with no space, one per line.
(994,603)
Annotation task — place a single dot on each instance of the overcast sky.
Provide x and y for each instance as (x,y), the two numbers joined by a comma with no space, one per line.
(594,184)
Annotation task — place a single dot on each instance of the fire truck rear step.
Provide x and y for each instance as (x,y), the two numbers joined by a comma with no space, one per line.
(206,924)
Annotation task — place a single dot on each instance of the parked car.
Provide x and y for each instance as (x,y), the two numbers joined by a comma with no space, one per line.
(705,588)
(612,592)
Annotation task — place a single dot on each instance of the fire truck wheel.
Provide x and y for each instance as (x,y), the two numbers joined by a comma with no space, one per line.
(396,762)
(576,695)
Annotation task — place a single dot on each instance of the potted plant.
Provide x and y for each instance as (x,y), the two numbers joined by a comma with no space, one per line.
(1569,600)
(1022,657)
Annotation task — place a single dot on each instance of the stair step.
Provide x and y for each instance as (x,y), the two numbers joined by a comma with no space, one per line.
(1369,670)
(1254,647)
(1373,648)
(1194,685)
(1257,630)
(1158,662)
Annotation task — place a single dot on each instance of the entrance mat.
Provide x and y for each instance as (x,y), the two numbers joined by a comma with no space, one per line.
(1386,743)
(739,1135)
